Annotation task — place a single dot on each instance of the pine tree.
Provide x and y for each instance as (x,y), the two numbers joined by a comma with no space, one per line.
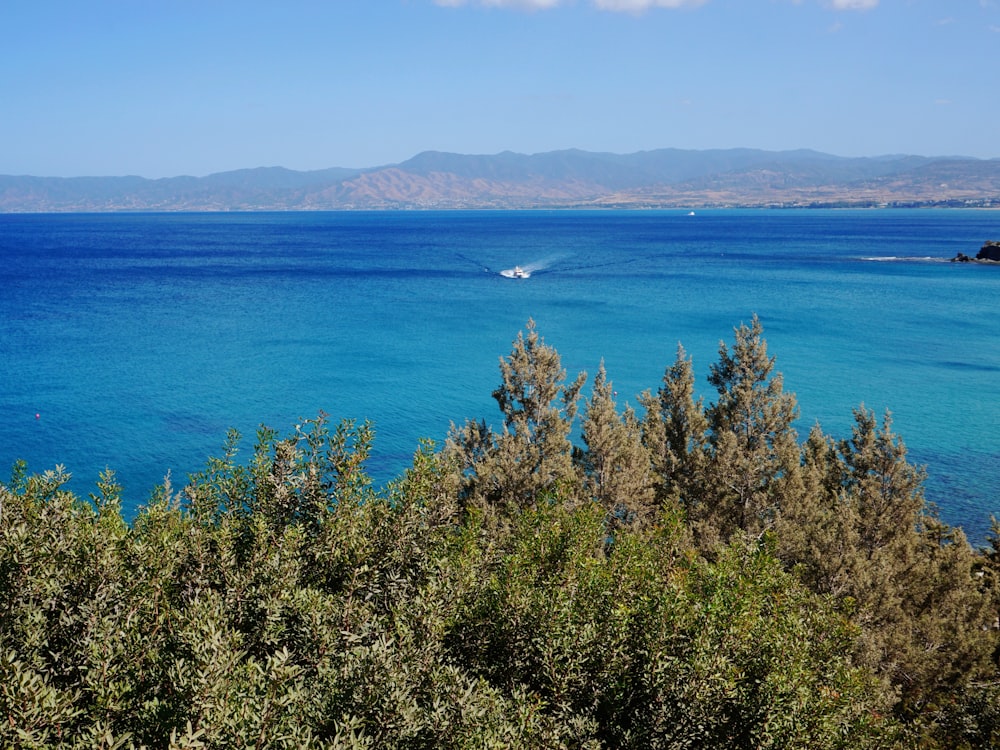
(886,490)
(862,532)
(675,433)
(533,455)
(754,449)
(617,471)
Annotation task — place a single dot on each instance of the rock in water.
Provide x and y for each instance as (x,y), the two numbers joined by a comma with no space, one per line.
(989,251)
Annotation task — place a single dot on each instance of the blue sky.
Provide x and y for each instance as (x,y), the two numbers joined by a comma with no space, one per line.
(168,87)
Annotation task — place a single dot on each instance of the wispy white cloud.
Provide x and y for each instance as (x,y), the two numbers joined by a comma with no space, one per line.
(635,6)
(524,4)
(626,6)
(853,4)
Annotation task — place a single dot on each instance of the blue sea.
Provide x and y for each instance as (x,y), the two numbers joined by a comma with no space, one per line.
(135,341)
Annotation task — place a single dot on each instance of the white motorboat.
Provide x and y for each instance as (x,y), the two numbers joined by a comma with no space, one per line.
(515,273)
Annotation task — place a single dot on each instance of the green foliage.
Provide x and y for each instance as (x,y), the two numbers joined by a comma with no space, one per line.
(754,451)
(617,468)
(533,454)
(642,648)
(864,533)
(675,432)
(694,578)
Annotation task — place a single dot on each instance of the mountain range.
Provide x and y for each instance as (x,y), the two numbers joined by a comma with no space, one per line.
(663,178)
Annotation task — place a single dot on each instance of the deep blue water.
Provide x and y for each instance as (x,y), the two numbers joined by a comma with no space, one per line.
(139,339)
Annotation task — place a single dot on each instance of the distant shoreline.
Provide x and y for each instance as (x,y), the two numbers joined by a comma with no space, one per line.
(663,179)
(930,206)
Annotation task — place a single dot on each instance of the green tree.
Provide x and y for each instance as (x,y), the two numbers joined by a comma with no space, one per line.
(814,529)
(754,450)
(533,455)
(674,430)
(864,533)
(616,464)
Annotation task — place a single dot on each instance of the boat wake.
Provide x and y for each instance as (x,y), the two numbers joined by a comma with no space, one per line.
(546,265)
(525,271)
(517,272)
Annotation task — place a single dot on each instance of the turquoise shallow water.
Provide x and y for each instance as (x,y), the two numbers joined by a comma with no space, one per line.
(138,339)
